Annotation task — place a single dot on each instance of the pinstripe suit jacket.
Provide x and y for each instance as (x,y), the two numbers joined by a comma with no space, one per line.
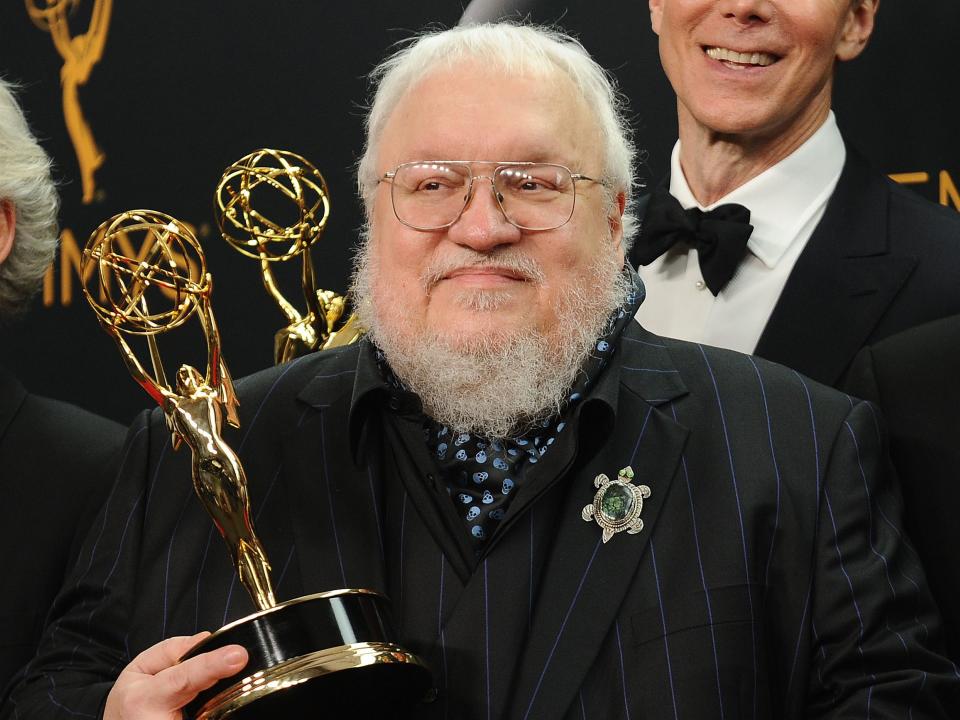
(771,580)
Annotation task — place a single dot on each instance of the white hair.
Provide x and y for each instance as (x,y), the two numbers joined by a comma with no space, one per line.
(512,48)
(25,181)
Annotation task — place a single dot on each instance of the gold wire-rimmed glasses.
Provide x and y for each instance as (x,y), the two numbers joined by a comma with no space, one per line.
(432,194)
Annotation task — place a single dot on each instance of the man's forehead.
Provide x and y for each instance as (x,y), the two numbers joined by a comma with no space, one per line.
(455,149)
(468,111)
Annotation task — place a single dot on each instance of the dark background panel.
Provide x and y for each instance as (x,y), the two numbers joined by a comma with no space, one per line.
(183,89)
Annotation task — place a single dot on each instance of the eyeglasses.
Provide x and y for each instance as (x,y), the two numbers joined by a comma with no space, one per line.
(432,194)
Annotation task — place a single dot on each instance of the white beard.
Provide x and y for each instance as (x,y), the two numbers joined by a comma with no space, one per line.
(501,383)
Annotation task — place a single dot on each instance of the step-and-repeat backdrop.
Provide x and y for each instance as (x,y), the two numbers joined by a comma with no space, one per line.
(144,104)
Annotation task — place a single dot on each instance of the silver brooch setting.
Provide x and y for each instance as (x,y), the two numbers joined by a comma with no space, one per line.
(617,504)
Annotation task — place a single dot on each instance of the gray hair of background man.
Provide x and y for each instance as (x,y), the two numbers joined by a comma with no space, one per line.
(25,181)
(513,49)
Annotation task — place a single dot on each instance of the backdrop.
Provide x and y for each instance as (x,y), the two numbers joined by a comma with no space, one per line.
(143,104)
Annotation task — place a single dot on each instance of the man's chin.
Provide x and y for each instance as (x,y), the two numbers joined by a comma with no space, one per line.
(464,301)
(480,331)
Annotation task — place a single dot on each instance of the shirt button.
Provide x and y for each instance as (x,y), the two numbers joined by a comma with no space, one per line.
(700,284)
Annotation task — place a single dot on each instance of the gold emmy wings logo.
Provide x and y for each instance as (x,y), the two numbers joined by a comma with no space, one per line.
(80,54)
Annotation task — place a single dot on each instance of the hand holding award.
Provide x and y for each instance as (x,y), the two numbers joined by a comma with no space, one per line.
(298,650)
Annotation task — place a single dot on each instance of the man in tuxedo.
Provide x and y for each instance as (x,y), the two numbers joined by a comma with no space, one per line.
(55,459)
(746,560)
(912,378)
(775,237)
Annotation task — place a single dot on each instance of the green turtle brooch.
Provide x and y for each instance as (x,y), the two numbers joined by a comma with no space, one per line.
(617,504)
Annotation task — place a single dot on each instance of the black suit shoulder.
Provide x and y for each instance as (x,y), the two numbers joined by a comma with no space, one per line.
(57,464)
(914,373)
(281,383)
(719,375)
(268,396)
(89,436)
(912,377)
(931,234)
(67,453)
(942,222)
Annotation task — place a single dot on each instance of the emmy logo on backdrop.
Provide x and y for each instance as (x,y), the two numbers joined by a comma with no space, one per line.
(324,651)
(272,206)
(80,54)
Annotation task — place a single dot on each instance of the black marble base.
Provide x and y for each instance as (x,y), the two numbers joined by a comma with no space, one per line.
(326,655)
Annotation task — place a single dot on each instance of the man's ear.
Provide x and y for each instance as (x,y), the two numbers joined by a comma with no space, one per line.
(616,220)
(857,28)
(656,15)
(8,228)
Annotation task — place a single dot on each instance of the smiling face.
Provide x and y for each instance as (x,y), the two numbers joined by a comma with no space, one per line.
(487,323)
(483,276)
(757,68)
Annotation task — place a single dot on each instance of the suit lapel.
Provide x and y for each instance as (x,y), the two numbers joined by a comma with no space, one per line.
(842,283)
(585,580)
(334,503)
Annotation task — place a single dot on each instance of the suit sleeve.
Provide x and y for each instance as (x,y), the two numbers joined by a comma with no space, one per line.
(83,648)
(875,630)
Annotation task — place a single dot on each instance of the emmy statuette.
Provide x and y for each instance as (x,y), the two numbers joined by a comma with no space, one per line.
(326,654)
(272,206)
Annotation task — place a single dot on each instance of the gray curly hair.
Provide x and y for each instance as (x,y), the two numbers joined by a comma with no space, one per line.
(25,181)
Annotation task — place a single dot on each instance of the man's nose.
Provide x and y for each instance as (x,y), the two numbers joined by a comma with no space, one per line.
(482,226)
(747,12)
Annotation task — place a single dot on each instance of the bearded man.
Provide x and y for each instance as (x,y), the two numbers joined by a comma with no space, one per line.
(452,459)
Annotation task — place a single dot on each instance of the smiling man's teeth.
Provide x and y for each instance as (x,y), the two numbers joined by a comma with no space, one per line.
(757,58)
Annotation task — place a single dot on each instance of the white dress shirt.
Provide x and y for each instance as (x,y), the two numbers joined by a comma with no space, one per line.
(786,203)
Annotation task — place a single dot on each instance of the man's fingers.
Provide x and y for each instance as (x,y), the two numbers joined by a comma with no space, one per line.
(155,686)
(164,654)
(181,683)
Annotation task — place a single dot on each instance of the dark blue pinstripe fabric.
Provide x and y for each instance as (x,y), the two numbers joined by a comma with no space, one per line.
(573,602)
(623,674)
(743,536)
(771,579)
(663,621)
(703,581)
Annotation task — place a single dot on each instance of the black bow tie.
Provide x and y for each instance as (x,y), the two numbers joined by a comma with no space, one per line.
(720,236)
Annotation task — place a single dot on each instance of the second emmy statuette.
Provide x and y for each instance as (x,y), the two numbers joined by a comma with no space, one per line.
(309,655)
(272,206)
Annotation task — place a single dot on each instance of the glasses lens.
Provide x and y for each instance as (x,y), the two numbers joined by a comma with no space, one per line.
(536,196)
(429,195)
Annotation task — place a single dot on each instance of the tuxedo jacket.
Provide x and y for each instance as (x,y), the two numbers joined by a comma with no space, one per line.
(912,377)
(770,580)
(881,260)
(57,463)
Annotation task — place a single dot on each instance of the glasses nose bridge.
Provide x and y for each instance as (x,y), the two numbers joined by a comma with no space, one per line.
(497,197)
